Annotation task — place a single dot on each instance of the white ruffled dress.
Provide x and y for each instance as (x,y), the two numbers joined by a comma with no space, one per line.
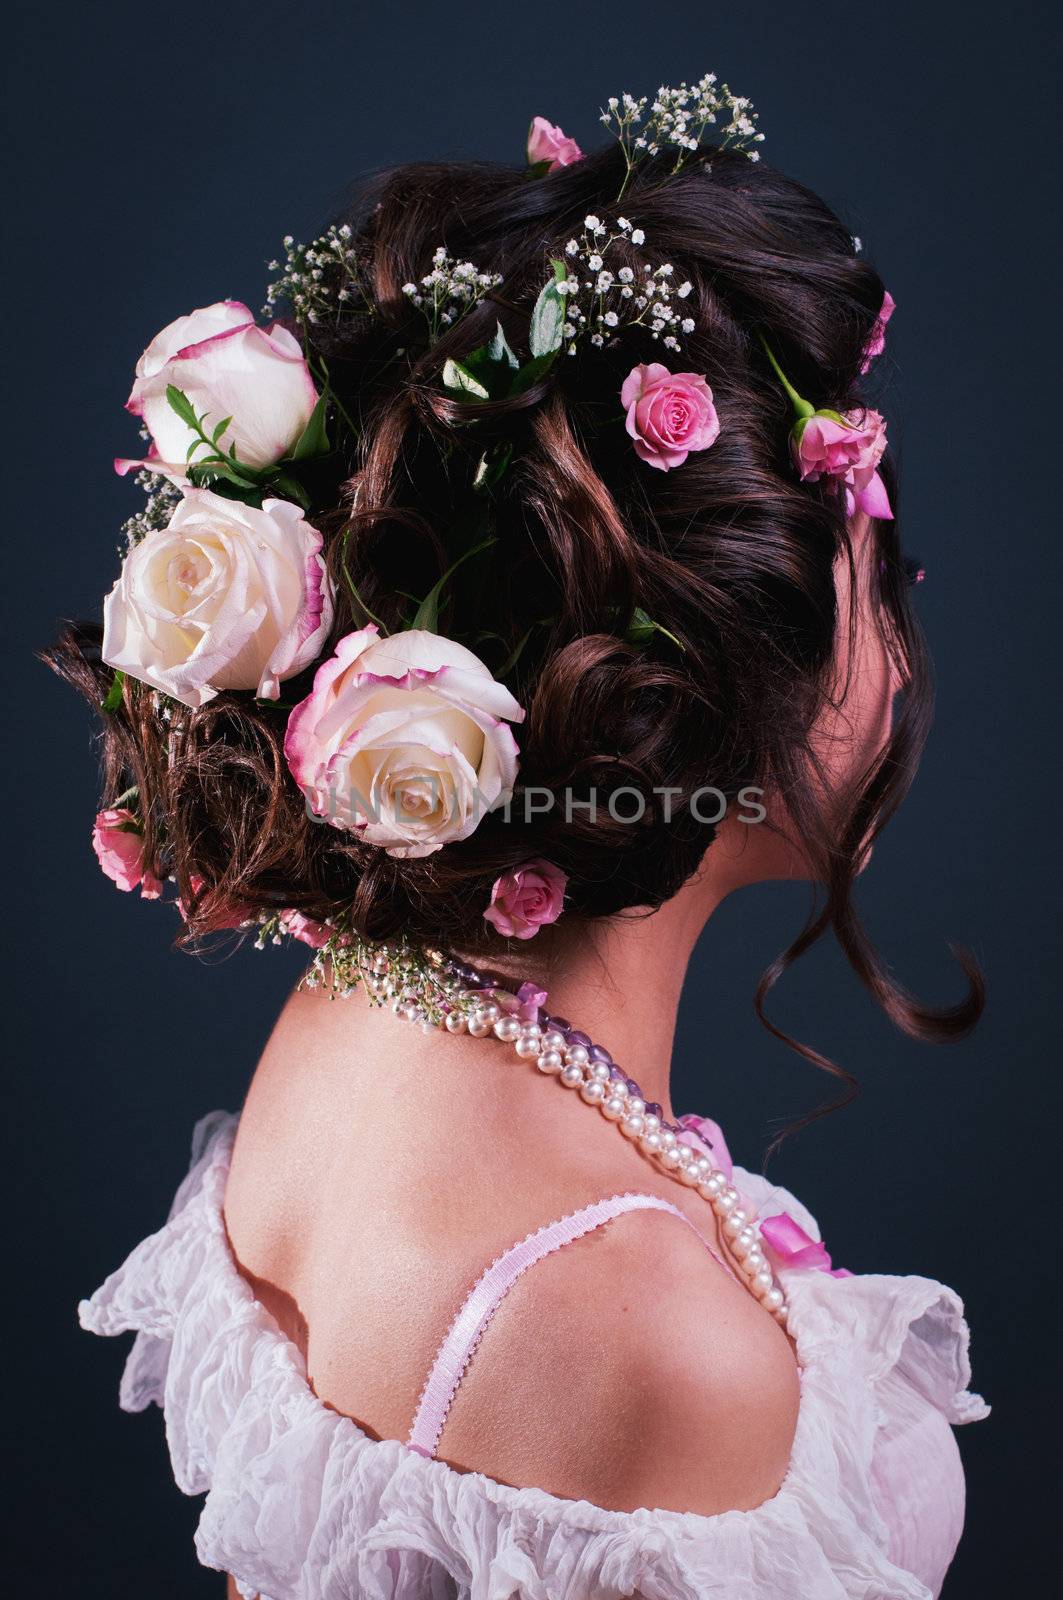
(302,1505)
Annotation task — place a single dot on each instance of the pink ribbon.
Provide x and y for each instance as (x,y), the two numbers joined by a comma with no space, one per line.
(525,1004)
(700,1133)
(795,1248)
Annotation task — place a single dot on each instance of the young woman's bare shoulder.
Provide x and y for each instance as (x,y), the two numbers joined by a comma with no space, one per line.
(629,1370)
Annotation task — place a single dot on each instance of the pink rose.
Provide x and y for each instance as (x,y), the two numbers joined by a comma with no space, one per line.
(315,934)
(523,900)
(119,846)
(546,142)
(228,367)
(668,414)
(847,447)
(877,342)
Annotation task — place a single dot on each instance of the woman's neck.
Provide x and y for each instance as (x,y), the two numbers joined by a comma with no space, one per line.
(618,986)
(617,980)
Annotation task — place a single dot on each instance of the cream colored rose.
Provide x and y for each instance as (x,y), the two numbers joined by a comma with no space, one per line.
(226,597)
(404,740)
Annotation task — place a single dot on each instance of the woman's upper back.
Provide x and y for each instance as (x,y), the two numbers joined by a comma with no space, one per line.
(630,1368)
(624,1370)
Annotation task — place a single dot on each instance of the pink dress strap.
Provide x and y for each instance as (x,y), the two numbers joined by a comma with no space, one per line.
(494,1284)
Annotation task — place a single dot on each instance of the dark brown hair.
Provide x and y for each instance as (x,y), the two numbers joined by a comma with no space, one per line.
(732,555)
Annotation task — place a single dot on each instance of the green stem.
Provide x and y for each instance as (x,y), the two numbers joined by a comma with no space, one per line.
(800,405)
(315,359)
(354,587)
(677,642)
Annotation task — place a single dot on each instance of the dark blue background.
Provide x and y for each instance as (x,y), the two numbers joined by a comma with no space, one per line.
(156,156)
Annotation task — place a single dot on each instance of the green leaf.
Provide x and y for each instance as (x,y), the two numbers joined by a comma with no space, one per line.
(532,371)
(113,698)
(220,429)
(491,468)
(548,316)
(515,654)
(498,350)
(641,629)
(204,461)
(288,488)
(537,169)
(178,401)
(459,380)
(218,476)
(427,615)
(314,440)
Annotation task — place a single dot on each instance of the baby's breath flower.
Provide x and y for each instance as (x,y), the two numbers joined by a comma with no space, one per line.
(450,289)
(679,118)
(600,300)
(159,507)
(319,281)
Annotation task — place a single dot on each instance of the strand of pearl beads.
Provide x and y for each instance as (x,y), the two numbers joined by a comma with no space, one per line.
(559,1052)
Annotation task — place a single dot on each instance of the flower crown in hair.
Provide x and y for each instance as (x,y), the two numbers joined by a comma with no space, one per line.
(403,740)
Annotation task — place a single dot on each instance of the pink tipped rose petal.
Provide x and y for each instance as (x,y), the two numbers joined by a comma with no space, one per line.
(228,367)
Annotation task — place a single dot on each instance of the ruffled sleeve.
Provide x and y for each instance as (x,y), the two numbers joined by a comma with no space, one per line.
(302,1505)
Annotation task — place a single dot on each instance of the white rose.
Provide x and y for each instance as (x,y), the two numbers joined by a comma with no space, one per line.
(228,367)
(226,597)
(404,740)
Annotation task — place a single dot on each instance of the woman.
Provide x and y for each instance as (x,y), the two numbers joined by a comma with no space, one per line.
(537,578)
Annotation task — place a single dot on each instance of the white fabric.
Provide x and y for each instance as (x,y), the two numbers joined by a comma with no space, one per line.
(301,1505)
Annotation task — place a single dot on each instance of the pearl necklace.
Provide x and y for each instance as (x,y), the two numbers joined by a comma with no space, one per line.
(562,1052)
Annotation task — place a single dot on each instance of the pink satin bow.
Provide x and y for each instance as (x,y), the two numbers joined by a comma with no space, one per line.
(795,1248)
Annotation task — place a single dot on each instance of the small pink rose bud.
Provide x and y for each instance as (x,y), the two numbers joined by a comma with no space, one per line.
(849,447)
(315,934)
(118,842)
(877,342)
(524,900)
(546,142)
